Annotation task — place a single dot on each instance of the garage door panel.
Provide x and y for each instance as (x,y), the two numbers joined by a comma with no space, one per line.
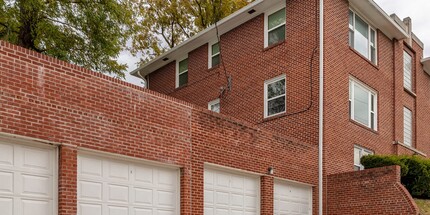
(6,185)
(166,198)
(35,158)
(144,175)
(90,167)
(118,193)
(209,196)
(6,205)
(165,212)
(142,211)
(36,207)
(116,210)
(222,181)
(90,190)
(118,171)
(90,209)
(34,185)
(6,154)
(166,179)
(250,201)
(221,211)
(143,196)
(222,198)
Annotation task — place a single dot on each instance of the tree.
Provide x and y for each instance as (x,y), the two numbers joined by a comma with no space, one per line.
(90,33)
(164,24)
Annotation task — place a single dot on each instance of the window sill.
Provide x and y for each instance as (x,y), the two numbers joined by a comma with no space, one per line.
(277,116)
(410,92)
(181,87)
(364,58)
(213,68)
(363,126)
(274,45)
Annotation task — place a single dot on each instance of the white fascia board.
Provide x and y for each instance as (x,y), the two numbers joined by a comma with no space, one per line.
(225,25)
(379,19)
(426,65)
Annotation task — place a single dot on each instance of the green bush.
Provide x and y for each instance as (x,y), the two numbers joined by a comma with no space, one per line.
(415,171)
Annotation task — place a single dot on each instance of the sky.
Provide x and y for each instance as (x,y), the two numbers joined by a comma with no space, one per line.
(418,10)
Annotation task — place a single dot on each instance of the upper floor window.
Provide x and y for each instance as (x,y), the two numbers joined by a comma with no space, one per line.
(359,152)
(407,71)
(362,37)
(362,104)
(214,105)
(274,96)
(182,72)
(274,31)
(407,126)
(214,55)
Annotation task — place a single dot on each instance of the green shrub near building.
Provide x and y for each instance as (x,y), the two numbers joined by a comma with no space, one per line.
(415,171)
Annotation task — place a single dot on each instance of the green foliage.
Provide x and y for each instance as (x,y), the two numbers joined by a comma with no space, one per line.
(163,24)
(415,171)
(90,33)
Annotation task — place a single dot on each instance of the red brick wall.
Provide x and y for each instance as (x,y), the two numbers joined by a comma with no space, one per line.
(250,64)
(48,99)
(373,191)
(386,78)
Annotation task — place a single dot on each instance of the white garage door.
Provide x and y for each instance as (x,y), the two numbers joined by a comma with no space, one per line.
(227,193)
(292,199)
(108,186)
(27,180)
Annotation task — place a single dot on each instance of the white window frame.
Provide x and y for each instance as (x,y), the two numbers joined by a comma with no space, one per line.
(361,150)
(407,85)
(408,140)
(370,29)
(269,12)
(352,82)
(266,100)
(177,69)
(214,102)
(210,53)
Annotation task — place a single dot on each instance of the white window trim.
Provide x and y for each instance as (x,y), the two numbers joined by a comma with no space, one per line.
(267,13)
(410,141)
(410,72)
(210,44)
(267,82)
(360,166)
(353,80)
(214,102)
(177,69)
(355,13)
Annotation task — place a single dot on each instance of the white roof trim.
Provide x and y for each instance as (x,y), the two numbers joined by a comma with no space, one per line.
(379,19)
(225,25)
(426,65)
(367,8)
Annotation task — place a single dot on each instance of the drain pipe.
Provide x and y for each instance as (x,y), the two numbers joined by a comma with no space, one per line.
(321,109)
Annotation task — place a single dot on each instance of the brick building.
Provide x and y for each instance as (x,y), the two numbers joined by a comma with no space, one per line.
(263,69)
(73,141)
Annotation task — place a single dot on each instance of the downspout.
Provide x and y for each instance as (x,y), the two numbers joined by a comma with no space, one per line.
(143,79)
(321,109)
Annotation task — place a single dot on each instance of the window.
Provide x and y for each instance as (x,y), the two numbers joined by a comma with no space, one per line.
(362,37)
(182,72)
(214,106)
(362,104)
(214,55)
(359,152)
(407,126)
(274,31)
(274,96)
(407,68)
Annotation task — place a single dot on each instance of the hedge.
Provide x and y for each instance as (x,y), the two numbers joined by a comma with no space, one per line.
(415,171)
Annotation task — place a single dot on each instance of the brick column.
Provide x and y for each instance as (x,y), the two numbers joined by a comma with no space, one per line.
(266,195)
(67,181)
